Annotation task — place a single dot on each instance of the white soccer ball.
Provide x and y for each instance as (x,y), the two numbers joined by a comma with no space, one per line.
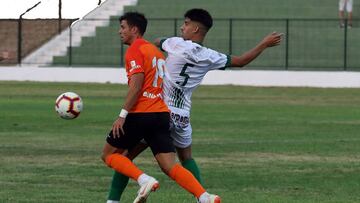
(68,105)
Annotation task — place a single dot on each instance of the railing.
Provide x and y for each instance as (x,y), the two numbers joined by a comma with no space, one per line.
(308,44)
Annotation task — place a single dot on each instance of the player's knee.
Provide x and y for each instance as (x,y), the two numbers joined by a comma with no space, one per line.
(166,169)
(166,161)
(185,158)
(184,154)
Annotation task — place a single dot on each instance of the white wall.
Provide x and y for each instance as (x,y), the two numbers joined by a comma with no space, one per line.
(232,77)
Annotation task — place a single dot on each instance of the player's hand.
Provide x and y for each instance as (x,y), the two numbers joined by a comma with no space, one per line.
(117,128)
(273,39)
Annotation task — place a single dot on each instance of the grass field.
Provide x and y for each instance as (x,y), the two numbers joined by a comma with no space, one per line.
(252,144)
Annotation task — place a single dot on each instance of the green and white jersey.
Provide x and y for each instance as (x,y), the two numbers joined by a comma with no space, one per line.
(186,65)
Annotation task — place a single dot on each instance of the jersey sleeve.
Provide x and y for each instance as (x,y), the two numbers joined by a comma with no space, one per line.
(172,45)
(134,62)
(228,62)
(209,58)
(161,44)
(195,53)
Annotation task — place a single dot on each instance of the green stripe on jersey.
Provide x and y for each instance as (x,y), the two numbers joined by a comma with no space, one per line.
(177,98)
(228,62)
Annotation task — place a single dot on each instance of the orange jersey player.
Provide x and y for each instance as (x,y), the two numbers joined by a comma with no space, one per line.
(145,116)
(152,66)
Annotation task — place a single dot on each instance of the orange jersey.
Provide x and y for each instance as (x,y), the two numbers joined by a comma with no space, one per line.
(144,57)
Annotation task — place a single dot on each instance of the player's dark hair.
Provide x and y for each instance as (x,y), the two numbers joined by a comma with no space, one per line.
(200,15)
(135,19)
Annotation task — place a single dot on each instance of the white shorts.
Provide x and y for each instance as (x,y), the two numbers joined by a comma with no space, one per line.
(180,127)
(348,4)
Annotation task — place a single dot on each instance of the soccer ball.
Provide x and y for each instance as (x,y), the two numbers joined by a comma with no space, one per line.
(68,105)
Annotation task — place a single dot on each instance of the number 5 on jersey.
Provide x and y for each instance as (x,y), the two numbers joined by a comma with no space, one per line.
(159,72)
(185,75)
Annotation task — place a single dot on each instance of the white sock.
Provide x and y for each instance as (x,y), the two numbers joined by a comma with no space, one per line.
(203,197)
(112,201)
(143,178)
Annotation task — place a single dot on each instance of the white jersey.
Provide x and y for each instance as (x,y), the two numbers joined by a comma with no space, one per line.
(186,65)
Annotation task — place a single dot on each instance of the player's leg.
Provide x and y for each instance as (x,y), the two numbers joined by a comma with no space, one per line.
(183,139)
(184,178)
(113,158)
(350,19)
(134,130)
(349,7)
(120,181)
(341,13)
(178,173)
(163,149)
(181,133)
(188,162)
(117,187)
(123,165)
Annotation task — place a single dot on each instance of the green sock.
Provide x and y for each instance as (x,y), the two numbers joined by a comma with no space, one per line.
(118,185)
(190,165)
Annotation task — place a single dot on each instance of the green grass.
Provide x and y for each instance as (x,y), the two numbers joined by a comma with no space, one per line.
(252,145)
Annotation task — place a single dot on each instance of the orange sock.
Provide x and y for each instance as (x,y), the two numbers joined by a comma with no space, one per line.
(123,165)
(186,180)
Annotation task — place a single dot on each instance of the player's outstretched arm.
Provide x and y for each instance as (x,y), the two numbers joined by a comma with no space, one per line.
(270,40)
(157,41)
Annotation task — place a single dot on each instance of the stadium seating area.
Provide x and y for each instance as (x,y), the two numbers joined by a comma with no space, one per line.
(241,8)
(314,39)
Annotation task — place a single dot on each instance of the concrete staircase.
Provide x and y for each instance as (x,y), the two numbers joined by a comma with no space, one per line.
(84,27)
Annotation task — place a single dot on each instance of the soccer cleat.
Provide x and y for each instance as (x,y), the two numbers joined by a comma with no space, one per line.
(214,199)
(211,199)
(151,186)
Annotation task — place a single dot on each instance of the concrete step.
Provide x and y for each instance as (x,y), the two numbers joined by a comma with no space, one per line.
(84,27)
